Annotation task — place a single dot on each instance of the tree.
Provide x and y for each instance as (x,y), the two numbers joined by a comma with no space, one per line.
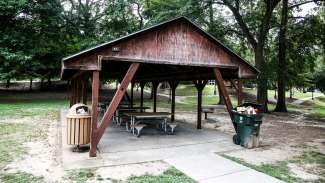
(282,65)
(161,10)
(256,36)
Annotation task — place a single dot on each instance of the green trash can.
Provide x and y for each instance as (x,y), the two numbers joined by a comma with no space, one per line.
(248,126)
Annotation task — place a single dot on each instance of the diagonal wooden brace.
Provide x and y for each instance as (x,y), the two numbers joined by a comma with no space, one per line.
(239,90)
(224,93)
(107,118)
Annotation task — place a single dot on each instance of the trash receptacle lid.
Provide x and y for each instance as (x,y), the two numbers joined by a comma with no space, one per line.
(78,111)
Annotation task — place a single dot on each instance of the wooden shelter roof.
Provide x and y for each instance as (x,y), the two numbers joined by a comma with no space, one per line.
(176,49)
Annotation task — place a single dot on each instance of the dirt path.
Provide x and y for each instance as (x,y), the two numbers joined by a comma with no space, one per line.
(300,101)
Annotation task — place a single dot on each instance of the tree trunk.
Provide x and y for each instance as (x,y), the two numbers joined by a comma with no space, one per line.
(49,83)
(30,84)
(8,83)
(290,92)
(221,101)
(282,69)
(42,83)
(262,79)
(257,44)
(151,93)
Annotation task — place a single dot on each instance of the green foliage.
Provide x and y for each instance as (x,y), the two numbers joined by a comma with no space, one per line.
(319,78)
(12,136)
(80,175)
(35,35)
(171,175)
(20,177)
(281,170)
(30,39)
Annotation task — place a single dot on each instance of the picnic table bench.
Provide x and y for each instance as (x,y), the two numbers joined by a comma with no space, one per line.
(123,109)
(139,120)
(209,109)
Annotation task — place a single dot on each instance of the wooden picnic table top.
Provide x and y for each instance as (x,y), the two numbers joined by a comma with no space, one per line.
(148,114)
(214,106)
(134,107)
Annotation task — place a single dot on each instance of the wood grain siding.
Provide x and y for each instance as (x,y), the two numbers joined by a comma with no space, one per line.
(78,131)
(176,43)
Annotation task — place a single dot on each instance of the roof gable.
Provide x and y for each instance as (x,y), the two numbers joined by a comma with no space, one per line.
(178,41)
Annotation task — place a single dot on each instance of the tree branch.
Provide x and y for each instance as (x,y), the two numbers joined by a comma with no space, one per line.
(242,24)
(302,3)
(265,24)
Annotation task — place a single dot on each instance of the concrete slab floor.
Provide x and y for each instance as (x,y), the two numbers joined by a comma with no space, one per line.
(119,147)
(190,150)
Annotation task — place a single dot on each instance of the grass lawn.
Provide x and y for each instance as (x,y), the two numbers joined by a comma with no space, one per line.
(190,90)
(189,103)
(296,94)
(319,107)
(20,122)
(282,171)
(172,175)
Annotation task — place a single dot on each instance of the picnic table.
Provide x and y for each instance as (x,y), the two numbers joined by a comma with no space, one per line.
(140,116)
(209,109)
(122,109)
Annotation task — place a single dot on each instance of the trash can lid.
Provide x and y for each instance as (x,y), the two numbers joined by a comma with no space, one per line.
(78,110)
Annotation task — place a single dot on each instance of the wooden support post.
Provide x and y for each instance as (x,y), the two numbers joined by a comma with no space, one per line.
(126,95)
(71,92)
(224,93)
(85,96)
(199,84)
(131,98)
(94,114)
(173,86)
(239,92)
(77,91)
(238,87)
(154,88)
(107,118)
(141,96)
(233,84)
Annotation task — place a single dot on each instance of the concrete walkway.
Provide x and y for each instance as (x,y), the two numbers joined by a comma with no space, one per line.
(300,101)
(212,168)
(191,151)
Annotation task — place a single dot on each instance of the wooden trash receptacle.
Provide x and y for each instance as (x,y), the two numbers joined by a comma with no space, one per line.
(78,125)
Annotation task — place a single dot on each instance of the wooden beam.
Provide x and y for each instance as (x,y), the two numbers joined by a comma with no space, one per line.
(154,87)
(173,86)
(85,91)
(75,92)
(166,62)
(82,88)
(233,83)
(107,118)
(199,84)
(126,95)
(141,95)
(224,93)
(78,74)
(94,114)
(239,92)
(71,92)
(131,97)
(238,87)
(78,91)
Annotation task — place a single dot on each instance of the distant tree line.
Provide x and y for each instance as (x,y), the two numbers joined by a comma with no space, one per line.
(284,43)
